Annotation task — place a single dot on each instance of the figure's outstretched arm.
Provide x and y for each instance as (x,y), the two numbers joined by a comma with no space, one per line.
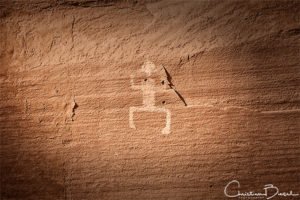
(132,85)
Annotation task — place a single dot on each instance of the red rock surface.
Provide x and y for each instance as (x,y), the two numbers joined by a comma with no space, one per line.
(65,96)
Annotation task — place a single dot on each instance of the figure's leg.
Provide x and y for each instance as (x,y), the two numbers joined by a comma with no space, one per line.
(167,128)
(131,122)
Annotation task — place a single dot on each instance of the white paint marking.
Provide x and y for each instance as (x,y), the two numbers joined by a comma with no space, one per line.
(148,89)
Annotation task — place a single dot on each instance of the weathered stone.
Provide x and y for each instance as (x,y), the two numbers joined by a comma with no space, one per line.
(227,72)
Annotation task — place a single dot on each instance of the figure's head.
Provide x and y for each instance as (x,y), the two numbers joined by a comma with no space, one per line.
(148,68)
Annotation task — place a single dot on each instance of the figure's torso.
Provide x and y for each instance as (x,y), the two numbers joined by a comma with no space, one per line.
(148,86)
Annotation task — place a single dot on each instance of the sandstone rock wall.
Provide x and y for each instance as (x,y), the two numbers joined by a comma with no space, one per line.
(66,94)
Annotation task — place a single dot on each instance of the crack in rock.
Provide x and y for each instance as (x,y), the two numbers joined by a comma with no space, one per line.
(74,106)
(172,86)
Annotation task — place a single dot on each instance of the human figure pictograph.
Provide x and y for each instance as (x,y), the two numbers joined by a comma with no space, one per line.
(148,88)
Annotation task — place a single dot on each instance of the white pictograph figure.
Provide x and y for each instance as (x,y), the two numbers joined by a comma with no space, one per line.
(148,89)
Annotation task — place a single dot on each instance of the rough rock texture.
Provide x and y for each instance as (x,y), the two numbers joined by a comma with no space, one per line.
(65,96)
